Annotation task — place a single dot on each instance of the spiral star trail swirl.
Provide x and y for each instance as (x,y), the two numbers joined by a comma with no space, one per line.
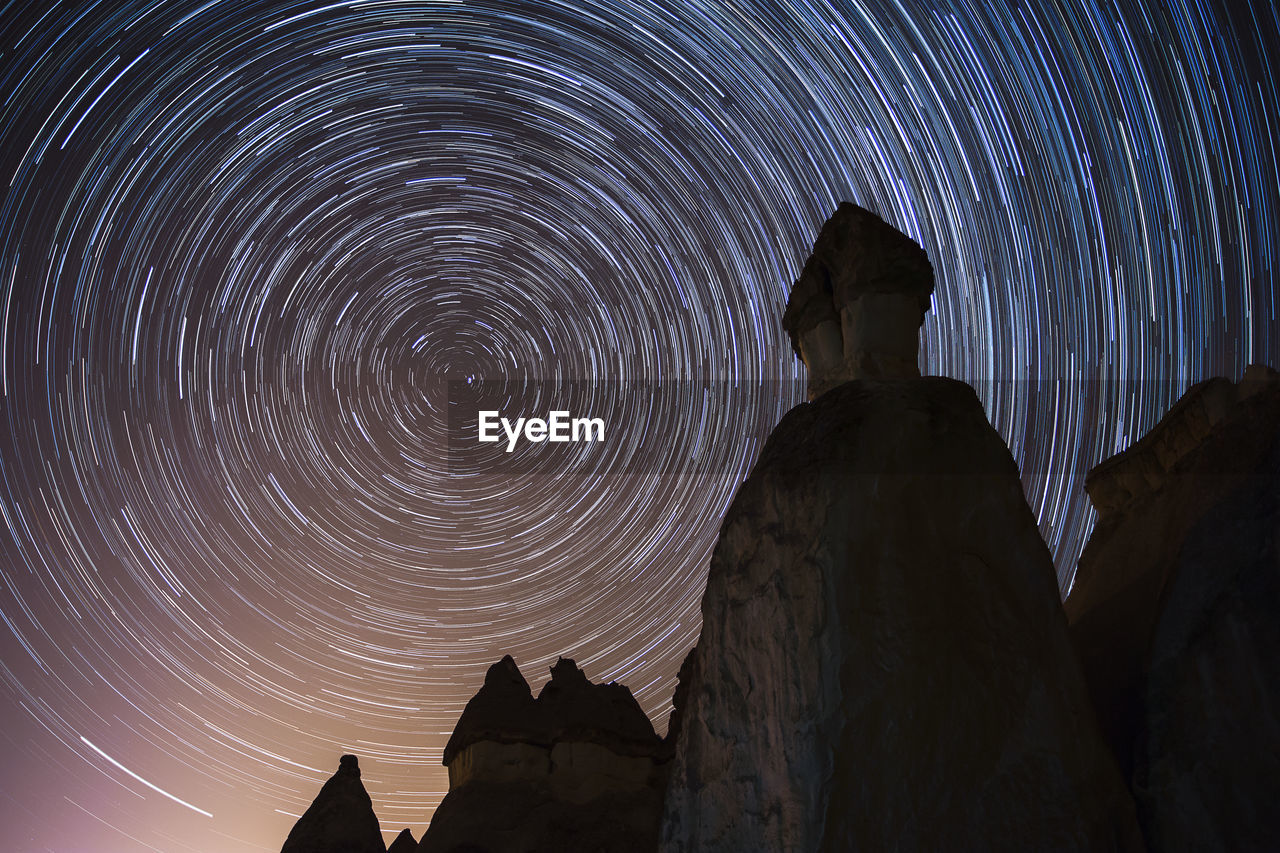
(246,247)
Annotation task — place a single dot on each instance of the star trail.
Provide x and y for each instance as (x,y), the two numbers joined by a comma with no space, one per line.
(252,252)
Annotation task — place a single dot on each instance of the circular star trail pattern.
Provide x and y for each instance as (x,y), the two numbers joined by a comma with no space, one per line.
(248,251)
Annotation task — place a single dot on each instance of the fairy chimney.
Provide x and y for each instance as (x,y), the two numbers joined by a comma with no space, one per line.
(855,312)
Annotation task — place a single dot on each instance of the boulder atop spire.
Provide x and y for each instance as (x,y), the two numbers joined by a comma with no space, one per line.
(855,312)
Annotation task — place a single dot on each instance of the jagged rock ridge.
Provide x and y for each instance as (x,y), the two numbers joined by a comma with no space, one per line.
(578,768)
(569,708)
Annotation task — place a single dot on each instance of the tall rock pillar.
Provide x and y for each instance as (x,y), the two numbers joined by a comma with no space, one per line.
(884,661)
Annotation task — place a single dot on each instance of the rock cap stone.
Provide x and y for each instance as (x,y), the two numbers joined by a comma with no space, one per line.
(856,309)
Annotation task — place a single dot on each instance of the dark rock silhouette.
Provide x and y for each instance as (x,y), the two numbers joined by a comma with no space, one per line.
(884,660)
(680,701)
(340,819)
(578,768)
(855,312)
(568,709)
(1176,615)
(503,711)
(404,843)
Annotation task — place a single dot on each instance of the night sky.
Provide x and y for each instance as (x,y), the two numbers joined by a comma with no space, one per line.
(253,253)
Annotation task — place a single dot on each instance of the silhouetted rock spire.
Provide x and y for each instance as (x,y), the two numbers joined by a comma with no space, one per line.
(884,661)
(340,819)
(503,711)
(404,843)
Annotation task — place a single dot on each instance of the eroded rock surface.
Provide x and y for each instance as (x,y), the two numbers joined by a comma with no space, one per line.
(340,819)
(578,768)
(1176,613)
(884,661)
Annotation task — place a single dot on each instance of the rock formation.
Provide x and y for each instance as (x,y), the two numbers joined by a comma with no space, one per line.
(340,819)
(1176,614)
(578,768)
(855,312)
(884,660)
(404,843)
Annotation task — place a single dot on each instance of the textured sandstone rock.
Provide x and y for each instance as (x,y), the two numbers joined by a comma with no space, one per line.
(574,771)
(404,843)
(1176,613)
(578,768)
(1142,468)
(855,312)
(884,661)
(521,818)
(340,819)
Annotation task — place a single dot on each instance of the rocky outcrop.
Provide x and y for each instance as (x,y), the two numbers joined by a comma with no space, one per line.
(1176,615)
(340,819)
(884,661)
(855,312)
(1142,469)
(404,843)
(578,768)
